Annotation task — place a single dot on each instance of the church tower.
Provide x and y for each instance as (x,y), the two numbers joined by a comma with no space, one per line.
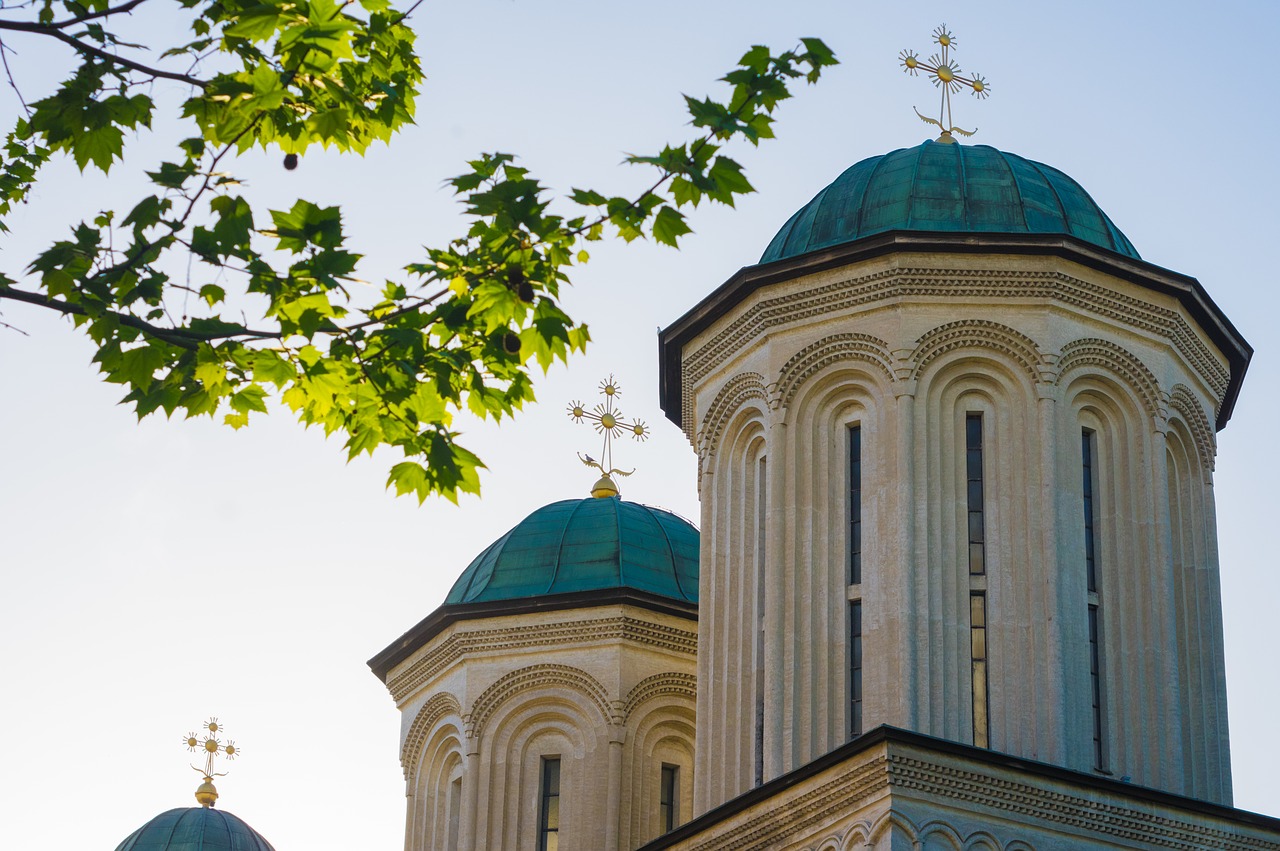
(956,444)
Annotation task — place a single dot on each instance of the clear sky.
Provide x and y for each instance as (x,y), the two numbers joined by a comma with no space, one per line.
(154,574)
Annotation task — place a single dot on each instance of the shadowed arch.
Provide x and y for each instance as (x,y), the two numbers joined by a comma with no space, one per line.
(891,820)
(433,710)
(1183,402)
(1090,352)
(810,360)
(659,685)
(538,676)
(978,334)
(940,830)
(735,392)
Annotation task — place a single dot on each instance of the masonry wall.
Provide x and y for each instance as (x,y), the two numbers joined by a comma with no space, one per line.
(905,347)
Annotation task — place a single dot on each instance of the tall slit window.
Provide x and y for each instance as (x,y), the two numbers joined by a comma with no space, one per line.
(973,476)
(668,798)
(761,518)
(978,652)
(549,806)
(855,668)
(455,804)
(855,578)
(1089,486)
(855,505)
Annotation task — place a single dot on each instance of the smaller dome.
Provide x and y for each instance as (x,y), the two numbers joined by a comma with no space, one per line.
(946,188)
(593,544)
(195,829)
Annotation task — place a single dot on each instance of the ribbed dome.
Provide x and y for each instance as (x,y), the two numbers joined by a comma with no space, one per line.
(586,545)
(951,188)
(195,829)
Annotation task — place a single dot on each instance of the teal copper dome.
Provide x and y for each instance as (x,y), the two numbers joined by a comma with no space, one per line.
(582,545)
(195,829)
(951,188)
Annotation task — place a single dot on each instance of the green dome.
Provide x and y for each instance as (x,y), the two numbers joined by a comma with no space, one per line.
(951,188)
(586,545)
(195,829)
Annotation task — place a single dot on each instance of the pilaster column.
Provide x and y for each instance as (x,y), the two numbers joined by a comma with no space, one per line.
(613,806)
(776,673)
(467,839)
(902,607)
(1049,614)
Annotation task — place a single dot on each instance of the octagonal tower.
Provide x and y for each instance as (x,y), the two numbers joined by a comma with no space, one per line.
(956,446)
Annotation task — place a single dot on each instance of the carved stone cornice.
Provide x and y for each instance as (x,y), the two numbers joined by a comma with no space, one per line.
(889,285)
(464,641)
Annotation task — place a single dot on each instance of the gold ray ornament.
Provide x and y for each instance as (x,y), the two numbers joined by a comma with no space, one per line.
(608,421)
(946,75)
(213,744)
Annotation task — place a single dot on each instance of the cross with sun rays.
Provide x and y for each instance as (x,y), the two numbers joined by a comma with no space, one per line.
(213,746)
(946,75)
(608,421)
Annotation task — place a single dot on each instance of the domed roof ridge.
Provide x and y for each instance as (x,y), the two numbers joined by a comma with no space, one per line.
(188,828)
(555,570)
(946,188)
(586,545)
(675,573)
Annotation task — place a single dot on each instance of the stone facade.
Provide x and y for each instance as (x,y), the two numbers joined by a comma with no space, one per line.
(606,687)
(906,345)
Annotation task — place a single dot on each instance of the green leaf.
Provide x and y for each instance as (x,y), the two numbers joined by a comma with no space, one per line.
(669,226)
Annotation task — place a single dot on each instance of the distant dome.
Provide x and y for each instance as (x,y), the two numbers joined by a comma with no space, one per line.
(586,545)
(946,187)
(195,829)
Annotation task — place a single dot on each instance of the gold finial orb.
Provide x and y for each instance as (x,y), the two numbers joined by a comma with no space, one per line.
(206,793)
(604,487)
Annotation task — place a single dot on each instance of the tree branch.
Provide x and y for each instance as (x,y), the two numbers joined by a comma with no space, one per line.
(89,50)
(181,337)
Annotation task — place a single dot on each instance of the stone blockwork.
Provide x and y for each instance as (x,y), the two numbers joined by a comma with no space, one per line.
(891,789)
(608,689)
(906,346)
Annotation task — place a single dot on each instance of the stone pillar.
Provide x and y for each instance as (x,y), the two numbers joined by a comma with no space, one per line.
(467,839)
(613,805)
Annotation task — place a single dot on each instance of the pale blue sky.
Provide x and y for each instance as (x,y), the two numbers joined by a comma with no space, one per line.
(155,574)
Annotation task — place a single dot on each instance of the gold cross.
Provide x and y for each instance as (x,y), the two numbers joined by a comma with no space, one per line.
(609,422)
(213,746)
(945,74)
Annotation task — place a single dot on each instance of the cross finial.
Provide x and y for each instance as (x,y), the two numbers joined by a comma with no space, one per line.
(212,744)
(946,75)
(607,421)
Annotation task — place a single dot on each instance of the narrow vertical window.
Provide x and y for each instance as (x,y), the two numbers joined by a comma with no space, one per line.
(1089,488)
(855,578)
(549,810)
(1095,680)
(1090,551)
(855,505)
(455,804)
(978,651)
(761,519)
(668,798)
(973,475)
(855,668)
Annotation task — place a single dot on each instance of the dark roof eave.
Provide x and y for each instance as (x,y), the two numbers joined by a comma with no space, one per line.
(436,622)
(885,734)
(1188,291)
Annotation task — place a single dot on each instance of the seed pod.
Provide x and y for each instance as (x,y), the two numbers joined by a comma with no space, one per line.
(511,342)
(290,161)
(525,291)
